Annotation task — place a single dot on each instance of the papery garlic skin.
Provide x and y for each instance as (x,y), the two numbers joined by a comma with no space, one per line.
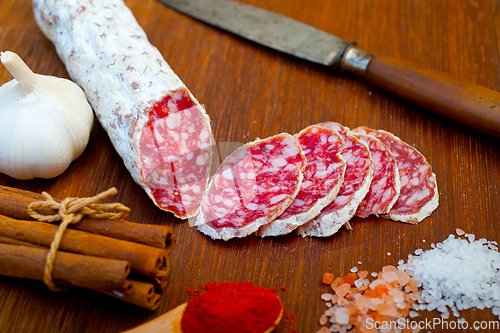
(43,127)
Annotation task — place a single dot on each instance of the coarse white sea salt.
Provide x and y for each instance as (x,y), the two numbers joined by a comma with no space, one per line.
(458,274)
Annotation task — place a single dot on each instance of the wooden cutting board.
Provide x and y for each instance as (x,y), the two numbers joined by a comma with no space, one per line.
(250,92)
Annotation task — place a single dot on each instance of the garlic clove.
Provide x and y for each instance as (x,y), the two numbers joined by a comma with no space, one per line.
(45,123)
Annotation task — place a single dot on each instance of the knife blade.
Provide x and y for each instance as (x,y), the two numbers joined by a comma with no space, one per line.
(437,91)
(267,28)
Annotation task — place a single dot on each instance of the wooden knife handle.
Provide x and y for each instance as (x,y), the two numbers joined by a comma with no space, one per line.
(452,97)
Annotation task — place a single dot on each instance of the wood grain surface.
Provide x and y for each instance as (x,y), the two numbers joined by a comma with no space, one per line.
(250,91)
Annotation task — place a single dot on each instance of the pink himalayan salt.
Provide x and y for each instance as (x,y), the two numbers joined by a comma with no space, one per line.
(390,276)
(343,289)
(390,300)
(363,274)
(389,268)
(327,297)
(403,277)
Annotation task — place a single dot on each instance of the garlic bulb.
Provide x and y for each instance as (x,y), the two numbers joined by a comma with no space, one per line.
(45,122)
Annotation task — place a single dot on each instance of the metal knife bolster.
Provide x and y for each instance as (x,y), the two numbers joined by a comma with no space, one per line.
(353,60)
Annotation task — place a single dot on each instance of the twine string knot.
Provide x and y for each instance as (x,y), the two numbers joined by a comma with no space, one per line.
(70,211)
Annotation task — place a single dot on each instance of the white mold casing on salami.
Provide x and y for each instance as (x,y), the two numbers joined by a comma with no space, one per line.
(322,179)
(385,186)
(419,195)
(155,124)
(357,179)
(253,186)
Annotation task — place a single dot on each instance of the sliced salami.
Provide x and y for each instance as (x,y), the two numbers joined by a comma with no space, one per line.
(322,179)
(385,186)
(357,179)
(253,186)
(419,195)
(155,124)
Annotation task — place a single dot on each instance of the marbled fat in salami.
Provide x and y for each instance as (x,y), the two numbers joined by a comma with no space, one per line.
(419,193)
(357,179)
(322,179)
(385,186)
(175,154)
(253,186)
(155,124)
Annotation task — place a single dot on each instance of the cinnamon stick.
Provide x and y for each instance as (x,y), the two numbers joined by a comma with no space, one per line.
(153,235)
(103,238)
(143,259)
(12,241)
(162,278)
(141,294)
(14,203)
(69,269)
(159,281)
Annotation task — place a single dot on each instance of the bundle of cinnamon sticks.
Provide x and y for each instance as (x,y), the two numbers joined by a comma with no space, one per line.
(122,259)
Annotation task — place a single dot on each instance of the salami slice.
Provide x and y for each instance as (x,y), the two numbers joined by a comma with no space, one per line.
(155,124)
(385,186)
(322,179)
(253,186)
(419,195)
(357,179)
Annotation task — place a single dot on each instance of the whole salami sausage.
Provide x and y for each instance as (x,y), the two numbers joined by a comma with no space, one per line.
(322,179)
(357,179)
(253,186)
(419,195)
(155,124)
(385,186)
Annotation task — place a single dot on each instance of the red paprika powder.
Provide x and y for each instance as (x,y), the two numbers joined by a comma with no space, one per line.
(232,307)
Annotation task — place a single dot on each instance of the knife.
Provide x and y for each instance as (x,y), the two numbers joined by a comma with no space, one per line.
(437,91)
